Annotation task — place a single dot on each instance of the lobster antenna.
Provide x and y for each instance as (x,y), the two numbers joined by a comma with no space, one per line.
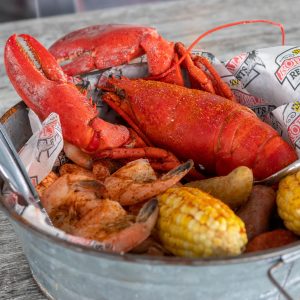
(217,29)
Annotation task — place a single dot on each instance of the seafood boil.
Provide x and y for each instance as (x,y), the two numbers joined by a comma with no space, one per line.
(227,135)
(125,188)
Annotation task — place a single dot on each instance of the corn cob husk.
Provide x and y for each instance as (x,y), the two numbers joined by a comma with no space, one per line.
(288,202)
(192,223)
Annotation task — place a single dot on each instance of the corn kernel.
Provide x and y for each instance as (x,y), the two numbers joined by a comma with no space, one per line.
(192,223)
(288,202)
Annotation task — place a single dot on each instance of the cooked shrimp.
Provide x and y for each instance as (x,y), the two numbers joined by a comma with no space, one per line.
(138,170)
(100,170)
(118,233)
(74,206)
(46,182)
(136,182)
(104,167)
(75,169)
(70,197)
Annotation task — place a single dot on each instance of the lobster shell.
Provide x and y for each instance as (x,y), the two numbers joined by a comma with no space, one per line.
(215,132)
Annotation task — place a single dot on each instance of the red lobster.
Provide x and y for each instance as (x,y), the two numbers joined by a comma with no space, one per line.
(214,131)
(105,46)
(45,88)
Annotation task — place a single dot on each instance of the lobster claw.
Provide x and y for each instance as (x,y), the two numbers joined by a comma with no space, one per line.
(28,64)
(44,87)
(104,46)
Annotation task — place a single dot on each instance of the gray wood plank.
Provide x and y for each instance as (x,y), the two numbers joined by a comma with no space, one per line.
(15,277)
(181,20)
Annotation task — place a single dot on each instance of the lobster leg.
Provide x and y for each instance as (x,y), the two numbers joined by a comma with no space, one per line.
(135,153)
(175,75)
(224,89)
(160,160)
(197,75)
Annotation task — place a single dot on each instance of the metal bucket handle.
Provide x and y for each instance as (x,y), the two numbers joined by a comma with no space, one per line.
(284,259)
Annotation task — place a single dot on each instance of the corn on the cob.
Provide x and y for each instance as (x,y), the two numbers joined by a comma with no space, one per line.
(192,223)
(288,202)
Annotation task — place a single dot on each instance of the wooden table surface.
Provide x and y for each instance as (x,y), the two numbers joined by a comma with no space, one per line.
(177,21)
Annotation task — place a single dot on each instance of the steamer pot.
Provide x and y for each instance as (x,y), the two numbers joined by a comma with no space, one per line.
(67,271)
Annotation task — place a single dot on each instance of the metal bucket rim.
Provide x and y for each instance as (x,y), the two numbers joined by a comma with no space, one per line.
(270,254)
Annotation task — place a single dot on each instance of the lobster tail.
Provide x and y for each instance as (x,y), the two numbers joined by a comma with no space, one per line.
(246,140)
(280,154)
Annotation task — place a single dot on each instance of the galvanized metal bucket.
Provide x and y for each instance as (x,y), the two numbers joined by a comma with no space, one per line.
(68,271)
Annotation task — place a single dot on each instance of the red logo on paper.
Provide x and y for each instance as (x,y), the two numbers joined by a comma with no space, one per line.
(289,67)
(235,62)
(258,105)
(247,99)
(48,130)
(286,67)
(294,130)
(244,67)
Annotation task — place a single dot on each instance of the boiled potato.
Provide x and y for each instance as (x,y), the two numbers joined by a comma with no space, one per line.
(233,189)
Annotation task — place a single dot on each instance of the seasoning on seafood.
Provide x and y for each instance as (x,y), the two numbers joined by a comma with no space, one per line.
(101,168)
(119,233)
(192,223)
(233,189)
(211,130)
(46,182)
(214,132)
(131,184)
(70,197)
(73,205)
(288,202)
(105,167)
(76,170)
